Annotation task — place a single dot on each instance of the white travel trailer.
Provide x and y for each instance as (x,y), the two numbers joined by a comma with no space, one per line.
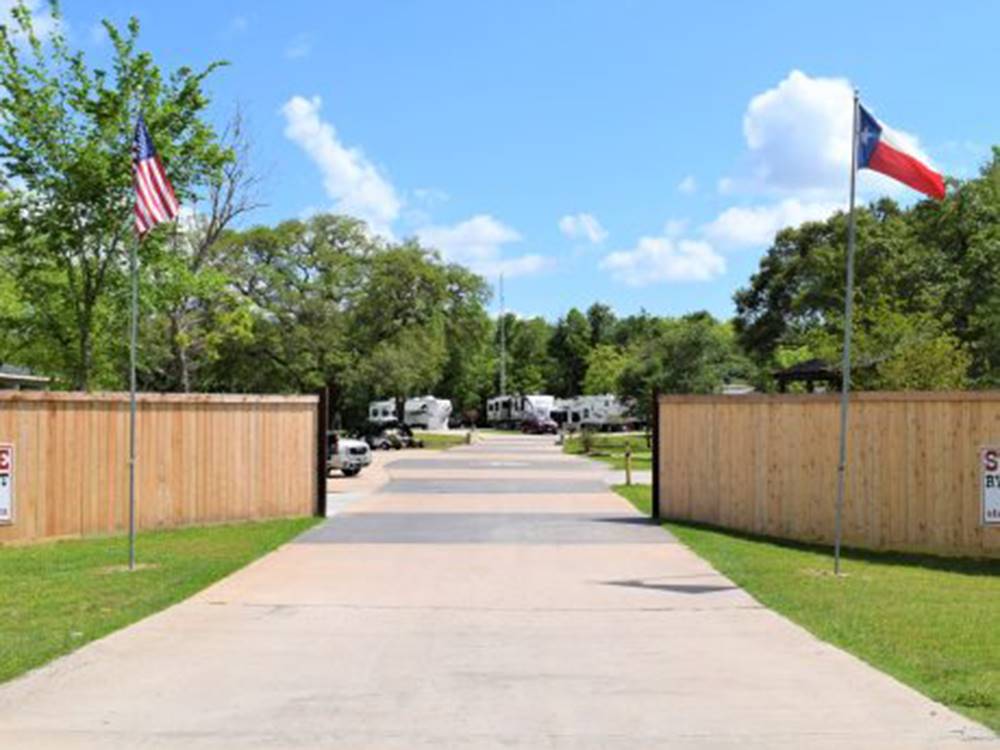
(604,412)
(427,412)
(508,411)
(561,409)
(499,410)
(382,412)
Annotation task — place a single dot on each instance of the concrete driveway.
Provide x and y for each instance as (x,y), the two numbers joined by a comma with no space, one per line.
(493,596)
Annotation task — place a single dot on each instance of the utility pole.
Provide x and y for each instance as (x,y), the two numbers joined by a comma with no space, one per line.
(503,342)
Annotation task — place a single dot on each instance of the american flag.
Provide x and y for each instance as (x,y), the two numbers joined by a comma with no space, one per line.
(154,196)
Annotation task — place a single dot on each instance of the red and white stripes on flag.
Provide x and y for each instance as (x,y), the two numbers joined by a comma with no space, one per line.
(155,201)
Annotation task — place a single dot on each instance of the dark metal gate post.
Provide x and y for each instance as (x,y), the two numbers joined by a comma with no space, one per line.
(322,426)
(655,504)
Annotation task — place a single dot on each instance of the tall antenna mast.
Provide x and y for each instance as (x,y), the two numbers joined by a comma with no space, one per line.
(503,343)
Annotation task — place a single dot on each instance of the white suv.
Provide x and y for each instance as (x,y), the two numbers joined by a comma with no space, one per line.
(350,456)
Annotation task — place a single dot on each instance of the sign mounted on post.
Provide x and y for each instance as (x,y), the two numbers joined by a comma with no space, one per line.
(990,463)
(6,484)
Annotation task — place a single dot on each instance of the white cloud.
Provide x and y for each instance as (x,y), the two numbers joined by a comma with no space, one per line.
(680,254)
(664,258)
(478,243)
(299,47)
(798,136)
(688,185)
(582,225)
(351,181)
(756,226)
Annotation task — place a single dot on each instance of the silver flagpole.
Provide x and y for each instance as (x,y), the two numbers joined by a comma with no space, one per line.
(503,343)
(845,385)
(133,337)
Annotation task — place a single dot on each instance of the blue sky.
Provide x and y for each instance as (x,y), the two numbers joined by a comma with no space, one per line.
(637,153)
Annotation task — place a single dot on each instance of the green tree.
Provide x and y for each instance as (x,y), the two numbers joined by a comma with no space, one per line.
(635,328)
(693,354)
(924,301)
(301,279)
(195,305)
(66,211)
(529,366)
(569,348)
(399,322)
(800,283)
(602,322)
(964,233)
(897,351)
(605,366)
(467,376)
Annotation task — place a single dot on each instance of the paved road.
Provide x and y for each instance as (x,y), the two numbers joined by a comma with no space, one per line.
(493,596)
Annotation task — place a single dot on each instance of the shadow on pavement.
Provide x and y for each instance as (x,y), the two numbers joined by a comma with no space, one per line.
(673,588)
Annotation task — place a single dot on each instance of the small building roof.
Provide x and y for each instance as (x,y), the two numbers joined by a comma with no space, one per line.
(15,376)
(809,368)
(810,371)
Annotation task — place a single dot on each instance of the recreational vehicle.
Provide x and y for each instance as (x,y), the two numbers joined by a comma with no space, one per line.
(427,412)
(510,411)
(604,412)
(560,410)
(382,412)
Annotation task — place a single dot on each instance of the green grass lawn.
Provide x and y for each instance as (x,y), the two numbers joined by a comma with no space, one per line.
(56,597)
(610,448)
(930,622)
(441,441)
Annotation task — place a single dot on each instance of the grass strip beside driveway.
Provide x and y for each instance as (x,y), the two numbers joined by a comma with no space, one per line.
(930,622)
(610,448)
(57,597)
(441,440)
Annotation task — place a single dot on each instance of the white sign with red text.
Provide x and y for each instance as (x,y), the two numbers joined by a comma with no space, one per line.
(990,462)
(6,483)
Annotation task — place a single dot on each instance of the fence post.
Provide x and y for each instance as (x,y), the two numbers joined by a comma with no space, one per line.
(655,493)
(628,463)
(322,426)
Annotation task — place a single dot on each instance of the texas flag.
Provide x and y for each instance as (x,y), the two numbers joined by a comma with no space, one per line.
(875,153)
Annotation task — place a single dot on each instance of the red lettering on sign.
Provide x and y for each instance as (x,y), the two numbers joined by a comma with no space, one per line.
(6,458)
(991,460)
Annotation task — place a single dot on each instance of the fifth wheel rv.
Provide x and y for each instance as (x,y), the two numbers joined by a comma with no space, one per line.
(604,412)
(382,412)
(427,412)
(510,411)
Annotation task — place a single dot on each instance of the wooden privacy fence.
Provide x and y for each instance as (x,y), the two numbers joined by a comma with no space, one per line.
(201,459)
(768,465)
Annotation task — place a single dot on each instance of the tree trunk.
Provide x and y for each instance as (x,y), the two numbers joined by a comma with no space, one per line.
(86,357)
(333,400)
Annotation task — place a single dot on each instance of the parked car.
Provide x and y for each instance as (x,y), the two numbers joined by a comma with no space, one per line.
(539,426)
(347,455)
(398,437)
(391,435)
